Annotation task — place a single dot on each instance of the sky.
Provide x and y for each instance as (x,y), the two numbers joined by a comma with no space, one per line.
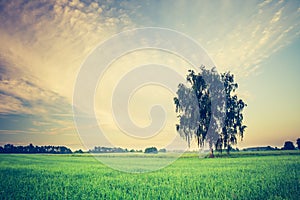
(45,43)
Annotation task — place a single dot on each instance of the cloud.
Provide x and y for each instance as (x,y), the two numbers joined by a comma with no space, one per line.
(10,105)
(238,36)
(49,39)
(264,3)
(277,16)
(9,132)
(252,40)
(43,44)
(20,96)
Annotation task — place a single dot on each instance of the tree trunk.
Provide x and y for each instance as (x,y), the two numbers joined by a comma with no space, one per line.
(211,154)
(199,152)
(228,149)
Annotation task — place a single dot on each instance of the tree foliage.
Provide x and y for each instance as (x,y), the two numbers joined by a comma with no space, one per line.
(209,110)
(288,145)
(298,143)
(151,150)
(233,124)
(193,105)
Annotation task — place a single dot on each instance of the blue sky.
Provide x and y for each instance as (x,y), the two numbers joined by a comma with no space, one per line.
(43,44)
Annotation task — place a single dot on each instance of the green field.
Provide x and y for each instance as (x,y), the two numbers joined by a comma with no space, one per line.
(241,176)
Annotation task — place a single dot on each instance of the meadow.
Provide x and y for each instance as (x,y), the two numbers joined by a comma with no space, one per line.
(260,175)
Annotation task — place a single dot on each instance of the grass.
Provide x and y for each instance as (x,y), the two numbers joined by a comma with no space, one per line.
(243,175)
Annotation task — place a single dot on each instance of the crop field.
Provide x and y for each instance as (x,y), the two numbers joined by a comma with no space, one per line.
(81,176)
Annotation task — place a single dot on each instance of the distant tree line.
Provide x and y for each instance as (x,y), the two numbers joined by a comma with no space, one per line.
(121,150)
(267,148)
(112,150)
(10,148)
(154,150)
(288,145)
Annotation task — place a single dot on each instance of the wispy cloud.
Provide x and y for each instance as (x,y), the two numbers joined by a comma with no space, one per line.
(48,40)
(17,131)
(277,16)
(238,36)
(25,97)
(43,44)
(253,40)
(264,3)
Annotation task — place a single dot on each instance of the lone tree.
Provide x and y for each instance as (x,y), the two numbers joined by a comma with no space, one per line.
(201,118)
